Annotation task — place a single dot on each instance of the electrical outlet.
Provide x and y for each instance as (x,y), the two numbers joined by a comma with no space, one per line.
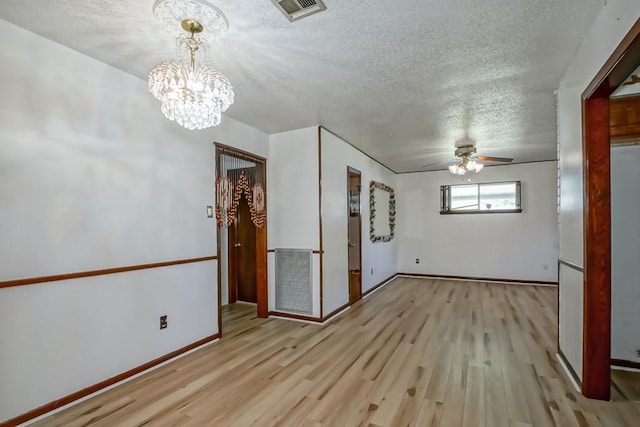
(417,260)
(163,322)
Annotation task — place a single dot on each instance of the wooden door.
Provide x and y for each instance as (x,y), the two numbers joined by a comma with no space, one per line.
(355,235)
(242,256)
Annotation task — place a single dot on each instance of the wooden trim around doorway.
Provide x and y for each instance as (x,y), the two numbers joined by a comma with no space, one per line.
(262,292)
(617,68)
(596,144)
(320,220)
(597,250)
(353,171)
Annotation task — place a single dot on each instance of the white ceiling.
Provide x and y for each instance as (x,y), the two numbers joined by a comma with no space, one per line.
(402,80)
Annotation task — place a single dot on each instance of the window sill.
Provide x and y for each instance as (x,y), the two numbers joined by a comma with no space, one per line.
(496,211)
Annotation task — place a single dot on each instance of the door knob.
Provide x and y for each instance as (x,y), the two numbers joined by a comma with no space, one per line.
(237,245)
(352,245)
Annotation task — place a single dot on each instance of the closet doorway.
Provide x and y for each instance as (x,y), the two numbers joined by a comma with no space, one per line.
(240,194)
(355,235)
(596,152)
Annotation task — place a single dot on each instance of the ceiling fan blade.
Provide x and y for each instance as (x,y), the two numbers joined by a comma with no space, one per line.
(494,159)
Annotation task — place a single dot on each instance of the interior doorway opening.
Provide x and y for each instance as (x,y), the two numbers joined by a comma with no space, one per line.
(596,367)
(355,235)
(240,190)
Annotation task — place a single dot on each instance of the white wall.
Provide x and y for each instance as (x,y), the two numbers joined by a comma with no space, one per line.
(293,220)
(93,176)
(608,30)
(521,246)
(625,253)
(378,259)
(570,306)
(60,337)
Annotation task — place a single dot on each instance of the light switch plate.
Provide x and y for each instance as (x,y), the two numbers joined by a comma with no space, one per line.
(209,211)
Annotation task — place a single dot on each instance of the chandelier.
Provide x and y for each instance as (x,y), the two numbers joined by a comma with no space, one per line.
(190,91)
(466,163)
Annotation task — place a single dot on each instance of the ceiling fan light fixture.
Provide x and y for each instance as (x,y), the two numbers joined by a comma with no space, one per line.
(477,167)
(457,170)
(465,165)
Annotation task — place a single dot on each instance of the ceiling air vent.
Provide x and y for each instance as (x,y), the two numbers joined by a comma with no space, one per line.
(298,9)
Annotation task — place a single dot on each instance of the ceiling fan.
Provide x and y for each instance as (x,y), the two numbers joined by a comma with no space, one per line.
(469,161)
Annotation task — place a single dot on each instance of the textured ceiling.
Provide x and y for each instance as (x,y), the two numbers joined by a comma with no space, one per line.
(402,80)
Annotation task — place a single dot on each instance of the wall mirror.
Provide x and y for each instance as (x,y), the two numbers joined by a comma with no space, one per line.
(382,212)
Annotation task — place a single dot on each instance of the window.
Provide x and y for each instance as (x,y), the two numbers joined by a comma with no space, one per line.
(490,197)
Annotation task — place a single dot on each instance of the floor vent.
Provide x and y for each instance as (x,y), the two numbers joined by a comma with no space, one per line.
(298,9)
(293,280)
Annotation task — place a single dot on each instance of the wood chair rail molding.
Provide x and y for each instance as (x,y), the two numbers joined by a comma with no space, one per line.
(77,275)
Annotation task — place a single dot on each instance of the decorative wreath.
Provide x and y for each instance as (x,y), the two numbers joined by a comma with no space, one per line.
(372,212)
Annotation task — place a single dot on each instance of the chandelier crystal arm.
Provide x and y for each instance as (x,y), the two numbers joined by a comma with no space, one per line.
(194,27)
(193,46)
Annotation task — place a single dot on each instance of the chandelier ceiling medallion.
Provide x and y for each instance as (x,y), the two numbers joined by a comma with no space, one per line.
(467,163)
(191,92)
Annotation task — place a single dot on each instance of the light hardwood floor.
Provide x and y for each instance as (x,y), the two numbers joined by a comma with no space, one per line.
(625,385)
(417,352)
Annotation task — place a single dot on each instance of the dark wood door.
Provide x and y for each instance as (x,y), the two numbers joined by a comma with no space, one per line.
(242,256)
(355,236)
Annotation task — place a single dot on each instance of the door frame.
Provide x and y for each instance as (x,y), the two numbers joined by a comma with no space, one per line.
(596,160)
(262,293)
(350,171)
